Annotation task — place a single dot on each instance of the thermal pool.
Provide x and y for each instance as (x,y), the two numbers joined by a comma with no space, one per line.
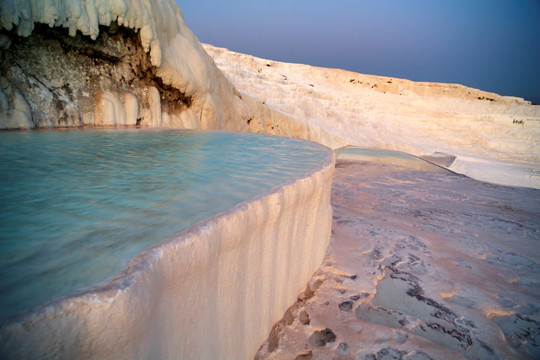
(155,244)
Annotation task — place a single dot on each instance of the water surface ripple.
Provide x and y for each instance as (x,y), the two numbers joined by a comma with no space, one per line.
(76,206)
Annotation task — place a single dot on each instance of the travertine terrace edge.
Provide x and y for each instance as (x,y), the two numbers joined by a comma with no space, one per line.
(213,291)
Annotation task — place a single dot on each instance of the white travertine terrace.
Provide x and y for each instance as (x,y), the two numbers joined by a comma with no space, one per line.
(212,292)
(215,291)
(494,138)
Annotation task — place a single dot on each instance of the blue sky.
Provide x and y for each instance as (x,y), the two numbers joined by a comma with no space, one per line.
(491,45)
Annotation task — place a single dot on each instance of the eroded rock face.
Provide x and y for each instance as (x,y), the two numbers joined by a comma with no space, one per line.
(52,79)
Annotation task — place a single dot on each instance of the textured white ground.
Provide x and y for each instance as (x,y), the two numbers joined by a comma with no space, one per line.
(421,265)
(494,138)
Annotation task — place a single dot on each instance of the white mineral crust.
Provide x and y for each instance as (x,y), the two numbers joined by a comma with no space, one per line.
(493,138)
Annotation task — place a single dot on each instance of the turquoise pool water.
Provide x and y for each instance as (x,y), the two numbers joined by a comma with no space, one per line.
(76,206)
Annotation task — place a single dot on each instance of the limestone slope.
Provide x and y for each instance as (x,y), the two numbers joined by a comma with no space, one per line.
(136,63)
(495,138)
(421,265)
(119,63)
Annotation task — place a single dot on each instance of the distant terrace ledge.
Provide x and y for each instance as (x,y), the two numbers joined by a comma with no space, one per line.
(212,292)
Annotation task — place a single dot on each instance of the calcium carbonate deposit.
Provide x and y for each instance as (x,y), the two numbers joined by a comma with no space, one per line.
(78,205)
(493,138)
(423,263)
(147,68)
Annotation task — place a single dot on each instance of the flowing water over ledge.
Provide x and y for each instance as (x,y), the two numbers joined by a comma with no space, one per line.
(76,206)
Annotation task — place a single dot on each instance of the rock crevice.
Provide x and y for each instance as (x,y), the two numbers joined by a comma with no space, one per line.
(52,79)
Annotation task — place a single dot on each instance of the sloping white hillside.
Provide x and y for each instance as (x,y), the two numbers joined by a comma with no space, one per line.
(494,138)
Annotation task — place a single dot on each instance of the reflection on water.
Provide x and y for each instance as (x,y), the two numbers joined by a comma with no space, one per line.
(76,206)
(387,157)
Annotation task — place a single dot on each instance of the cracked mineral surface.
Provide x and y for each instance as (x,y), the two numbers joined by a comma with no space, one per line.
(421,265)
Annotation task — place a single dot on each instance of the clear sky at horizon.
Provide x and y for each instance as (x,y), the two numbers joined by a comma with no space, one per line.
(491,45)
